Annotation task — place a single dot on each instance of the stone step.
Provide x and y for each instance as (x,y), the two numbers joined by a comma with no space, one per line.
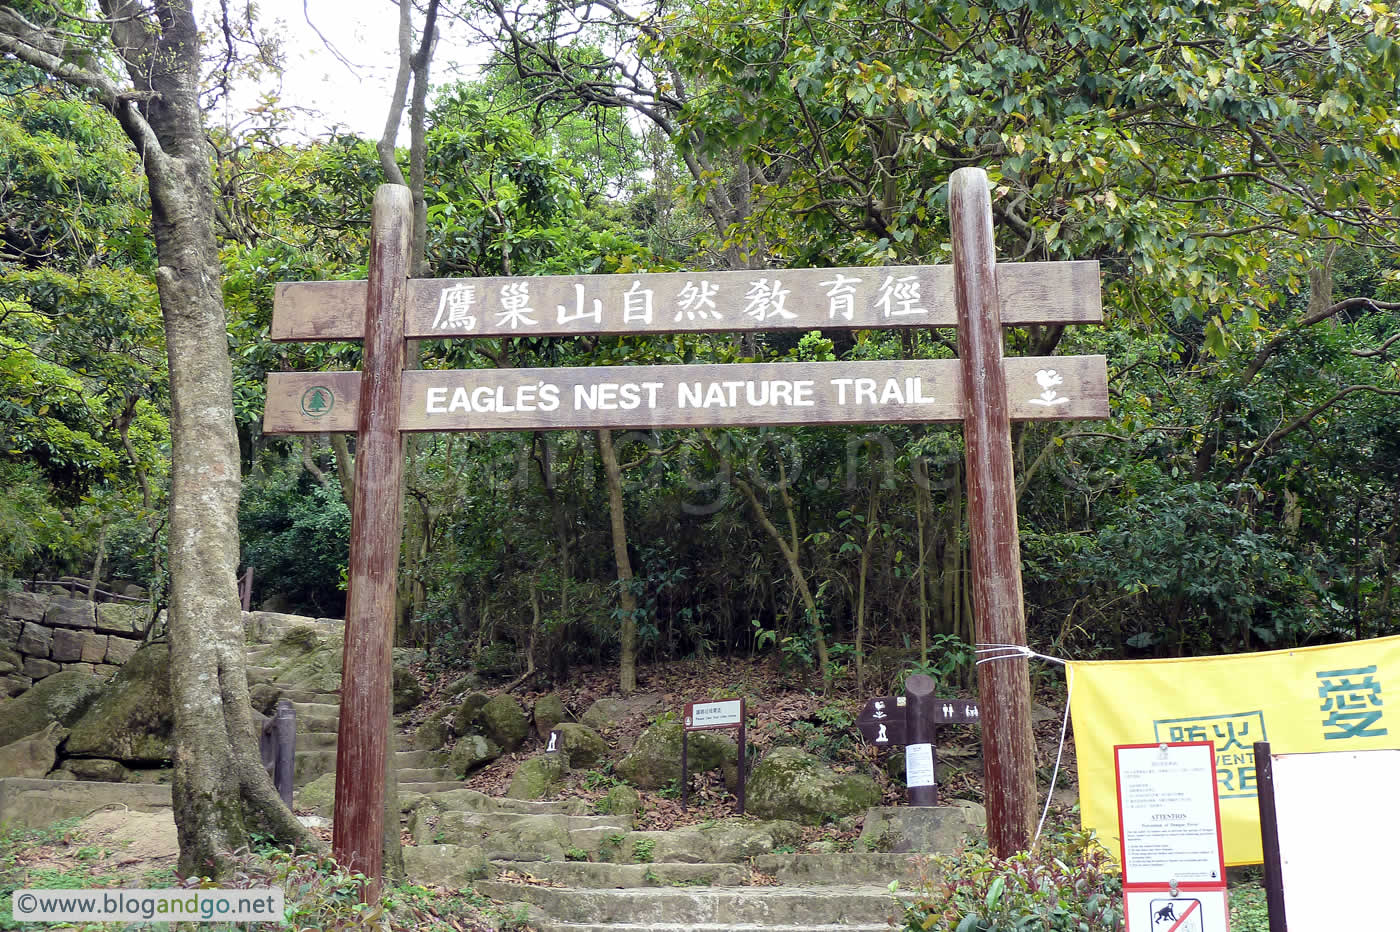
(601,875)
(720,907)
(846,867)
(461,799)
(305,695)
(316,716)
(325,741)
(429,789)
(423,774)
(257,674)
(404,760)
(507,836)
(546,925)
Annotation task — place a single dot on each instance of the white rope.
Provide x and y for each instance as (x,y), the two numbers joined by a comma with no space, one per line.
(1014,651)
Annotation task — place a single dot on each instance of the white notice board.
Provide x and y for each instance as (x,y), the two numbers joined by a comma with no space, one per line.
(1338,832)
(1169,814)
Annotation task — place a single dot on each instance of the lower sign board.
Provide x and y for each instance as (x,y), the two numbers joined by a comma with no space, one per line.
(643,397)
(1161,911)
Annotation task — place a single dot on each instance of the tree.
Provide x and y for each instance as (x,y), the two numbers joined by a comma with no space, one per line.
(220,785)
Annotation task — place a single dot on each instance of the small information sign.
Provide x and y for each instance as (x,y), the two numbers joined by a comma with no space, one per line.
(1171,847)
(555,742)
(884,721)
(918,761)
(726,713)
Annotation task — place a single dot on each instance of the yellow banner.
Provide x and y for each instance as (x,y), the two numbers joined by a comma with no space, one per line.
(1328,698)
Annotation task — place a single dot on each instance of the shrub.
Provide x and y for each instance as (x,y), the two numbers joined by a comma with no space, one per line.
(1069,884)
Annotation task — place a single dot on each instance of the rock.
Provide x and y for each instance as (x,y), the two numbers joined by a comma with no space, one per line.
(407,692)
(504,722)
(605,714)
(24,606)
(449,866)
(94,647)
(792,784)
(538,777)
(37,668)
(584,747)
(107,771)
(70,613)
(119,649)
(433,733)
(306,657)
(122,619)
(61,698)
(465,719)
(33,756)
(105,670)
(549,711)
(472,681)
(89,669)
(66,646)
(60,775)
(10,661)
(153,775)
(472,752)
(10,630)
(1041,713)
(12,684)
(622,800)
(318,796)
(655,761)
(133,718)
(37,803)
(34,640)
(923,829)
(715,843)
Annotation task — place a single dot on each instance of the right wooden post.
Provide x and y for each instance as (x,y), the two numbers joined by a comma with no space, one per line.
(1004,685)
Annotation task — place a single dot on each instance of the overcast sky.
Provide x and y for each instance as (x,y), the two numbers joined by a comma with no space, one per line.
(353,93)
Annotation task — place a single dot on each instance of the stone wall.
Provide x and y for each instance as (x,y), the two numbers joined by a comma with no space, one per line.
(43,634)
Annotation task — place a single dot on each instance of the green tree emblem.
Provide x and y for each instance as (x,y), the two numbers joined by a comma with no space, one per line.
(317,401)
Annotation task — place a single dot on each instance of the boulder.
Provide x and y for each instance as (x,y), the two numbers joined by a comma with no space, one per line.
(12,684)
(538,777)
(433,733)
(122,619)
(133,718)
(407,692)
(61,698)
(791,784)
(504,721)
(318,796)
(472,752)
(465,719)
(33,756)
(605,714)
(10,661)
(449,866)
(151,775)
(35,640)
(472,681)
(655,760)
(24,606)
(66,646)
(70,613)
(38,668)
(10,630)
(307,658)
(119,649)
(94,647)
(105,771)
(549,711)
(923,829)
(88,668)
(584,747)
(622,800)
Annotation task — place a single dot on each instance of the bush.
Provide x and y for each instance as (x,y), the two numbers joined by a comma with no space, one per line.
(1069,884)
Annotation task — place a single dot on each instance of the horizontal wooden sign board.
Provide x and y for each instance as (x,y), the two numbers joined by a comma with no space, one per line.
(723,713)
(642,397)
(672,302)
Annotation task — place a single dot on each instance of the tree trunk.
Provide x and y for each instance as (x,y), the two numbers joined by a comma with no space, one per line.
(627,674)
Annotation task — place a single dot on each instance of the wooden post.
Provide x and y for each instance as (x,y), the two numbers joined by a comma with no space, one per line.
(1268,837)
(1003,685)
(375,532)
(743,759)
(918,691)
(685,766)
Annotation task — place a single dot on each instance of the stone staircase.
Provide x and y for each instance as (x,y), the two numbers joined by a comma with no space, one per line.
(716,877)
(318,715)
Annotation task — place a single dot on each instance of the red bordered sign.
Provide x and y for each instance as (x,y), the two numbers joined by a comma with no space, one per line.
(1170,843)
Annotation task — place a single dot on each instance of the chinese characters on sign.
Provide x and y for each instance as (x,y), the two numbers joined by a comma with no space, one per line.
(1352,701)
(1234,737)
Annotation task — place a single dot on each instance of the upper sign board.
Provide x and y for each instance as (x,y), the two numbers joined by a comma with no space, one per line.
(724,713)
(881,297)
(646,397)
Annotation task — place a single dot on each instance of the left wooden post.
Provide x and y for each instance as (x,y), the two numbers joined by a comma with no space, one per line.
(376,528)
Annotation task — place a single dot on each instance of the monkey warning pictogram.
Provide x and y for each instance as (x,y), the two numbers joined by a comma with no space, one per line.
(1187,911)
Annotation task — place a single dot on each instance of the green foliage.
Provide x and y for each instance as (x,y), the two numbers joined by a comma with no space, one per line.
(643,850)
(296,536)
(1068,884)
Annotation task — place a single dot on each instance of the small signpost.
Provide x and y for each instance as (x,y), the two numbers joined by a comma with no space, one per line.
(981,388)
(887,721)
(1171,845)
(709,716)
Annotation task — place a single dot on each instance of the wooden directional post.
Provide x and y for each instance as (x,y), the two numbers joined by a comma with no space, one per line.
(376,526)
(1004,686)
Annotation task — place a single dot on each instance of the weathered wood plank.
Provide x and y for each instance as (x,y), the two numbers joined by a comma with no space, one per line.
(640,397)
(376,516)
(674,302)
(1008,748)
